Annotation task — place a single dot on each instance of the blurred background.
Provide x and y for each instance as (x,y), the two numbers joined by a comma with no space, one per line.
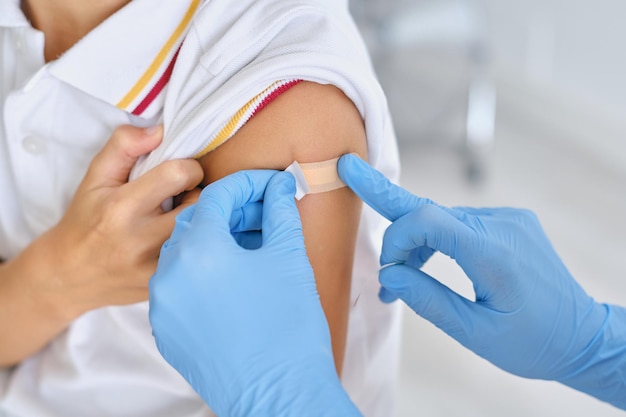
(501,103)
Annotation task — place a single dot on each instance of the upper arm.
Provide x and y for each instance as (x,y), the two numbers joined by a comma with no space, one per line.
(308,123)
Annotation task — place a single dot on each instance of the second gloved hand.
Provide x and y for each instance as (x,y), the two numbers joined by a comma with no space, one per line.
(529,317)
(245,327)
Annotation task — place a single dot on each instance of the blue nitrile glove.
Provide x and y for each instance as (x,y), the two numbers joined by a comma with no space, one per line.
(530,317)
(245,327)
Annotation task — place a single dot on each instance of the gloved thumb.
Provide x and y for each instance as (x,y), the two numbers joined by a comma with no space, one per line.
(429,298)
(281,219)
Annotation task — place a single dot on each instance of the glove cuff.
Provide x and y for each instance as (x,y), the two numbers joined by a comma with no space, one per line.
(600,370)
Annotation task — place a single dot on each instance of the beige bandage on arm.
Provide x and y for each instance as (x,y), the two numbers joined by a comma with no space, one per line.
(315,177)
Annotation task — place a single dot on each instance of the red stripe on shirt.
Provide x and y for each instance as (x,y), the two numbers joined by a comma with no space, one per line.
(273,95)
(158,87)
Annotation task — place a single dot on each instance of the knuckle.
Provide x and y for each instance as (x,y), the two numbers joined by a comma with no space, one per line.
(114,213)
(425,214)
(180,172)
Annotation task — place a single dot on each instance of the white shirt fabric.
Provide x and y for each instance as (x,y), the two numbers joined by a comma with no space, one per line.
(56,116)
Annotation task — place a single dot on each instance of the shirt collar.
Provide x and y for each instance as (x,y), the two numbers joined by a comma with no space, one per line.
(11,14)
(123,59)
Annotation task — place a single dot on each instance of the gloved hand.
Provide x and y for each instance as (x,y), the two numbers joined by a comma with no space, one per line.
(245,327)
(529,317)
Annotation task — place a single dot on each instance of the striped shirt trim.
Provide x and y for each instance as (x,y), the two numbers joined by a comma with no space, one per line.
(160,64)
(246,113)
(157,88)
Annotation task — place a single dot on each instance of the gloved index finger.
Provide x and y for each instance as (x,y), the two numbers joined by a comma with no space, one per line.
(220,199)
(388,199)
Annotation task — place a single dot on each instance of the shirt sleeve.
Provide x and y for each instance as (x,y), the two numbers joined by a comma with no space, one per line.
(236,59)
(247,112)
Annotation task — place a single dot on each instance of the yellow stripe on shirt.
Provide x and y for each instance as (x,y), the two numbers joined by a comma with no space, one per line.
(228,130)
(245,113)
(160,58)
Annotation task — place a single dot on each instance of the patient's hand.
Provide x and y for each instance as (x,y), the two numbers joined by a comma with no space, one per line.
(106,246)
(101,253)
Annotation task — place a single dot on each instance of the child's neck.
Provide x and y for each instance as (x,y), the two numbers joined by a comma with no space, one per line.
(65,22)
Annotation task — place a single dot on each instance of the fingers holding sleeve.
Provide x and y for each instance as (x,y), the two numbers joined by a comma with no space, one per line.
(112,165)
(164,181)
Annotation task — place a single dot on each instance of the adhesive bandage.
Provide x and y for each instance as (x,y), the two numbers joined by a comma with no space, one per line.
(315,177)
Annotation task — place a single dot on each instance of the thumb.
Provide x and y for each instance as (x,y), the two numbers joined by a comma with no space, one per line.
(111,166)
(281,219)
(430,299)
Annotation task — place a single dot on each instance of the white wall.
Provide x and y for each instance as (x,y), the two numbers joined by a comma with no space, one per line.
(577,44)
(556,62)
(568,59)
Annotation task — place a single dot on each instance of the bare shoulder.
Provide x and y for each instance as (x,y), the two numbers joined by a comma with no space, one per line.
(309,122)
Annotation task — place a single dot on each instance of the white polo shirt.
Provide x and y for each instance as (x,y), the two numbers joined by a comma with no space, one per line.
(203,68)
